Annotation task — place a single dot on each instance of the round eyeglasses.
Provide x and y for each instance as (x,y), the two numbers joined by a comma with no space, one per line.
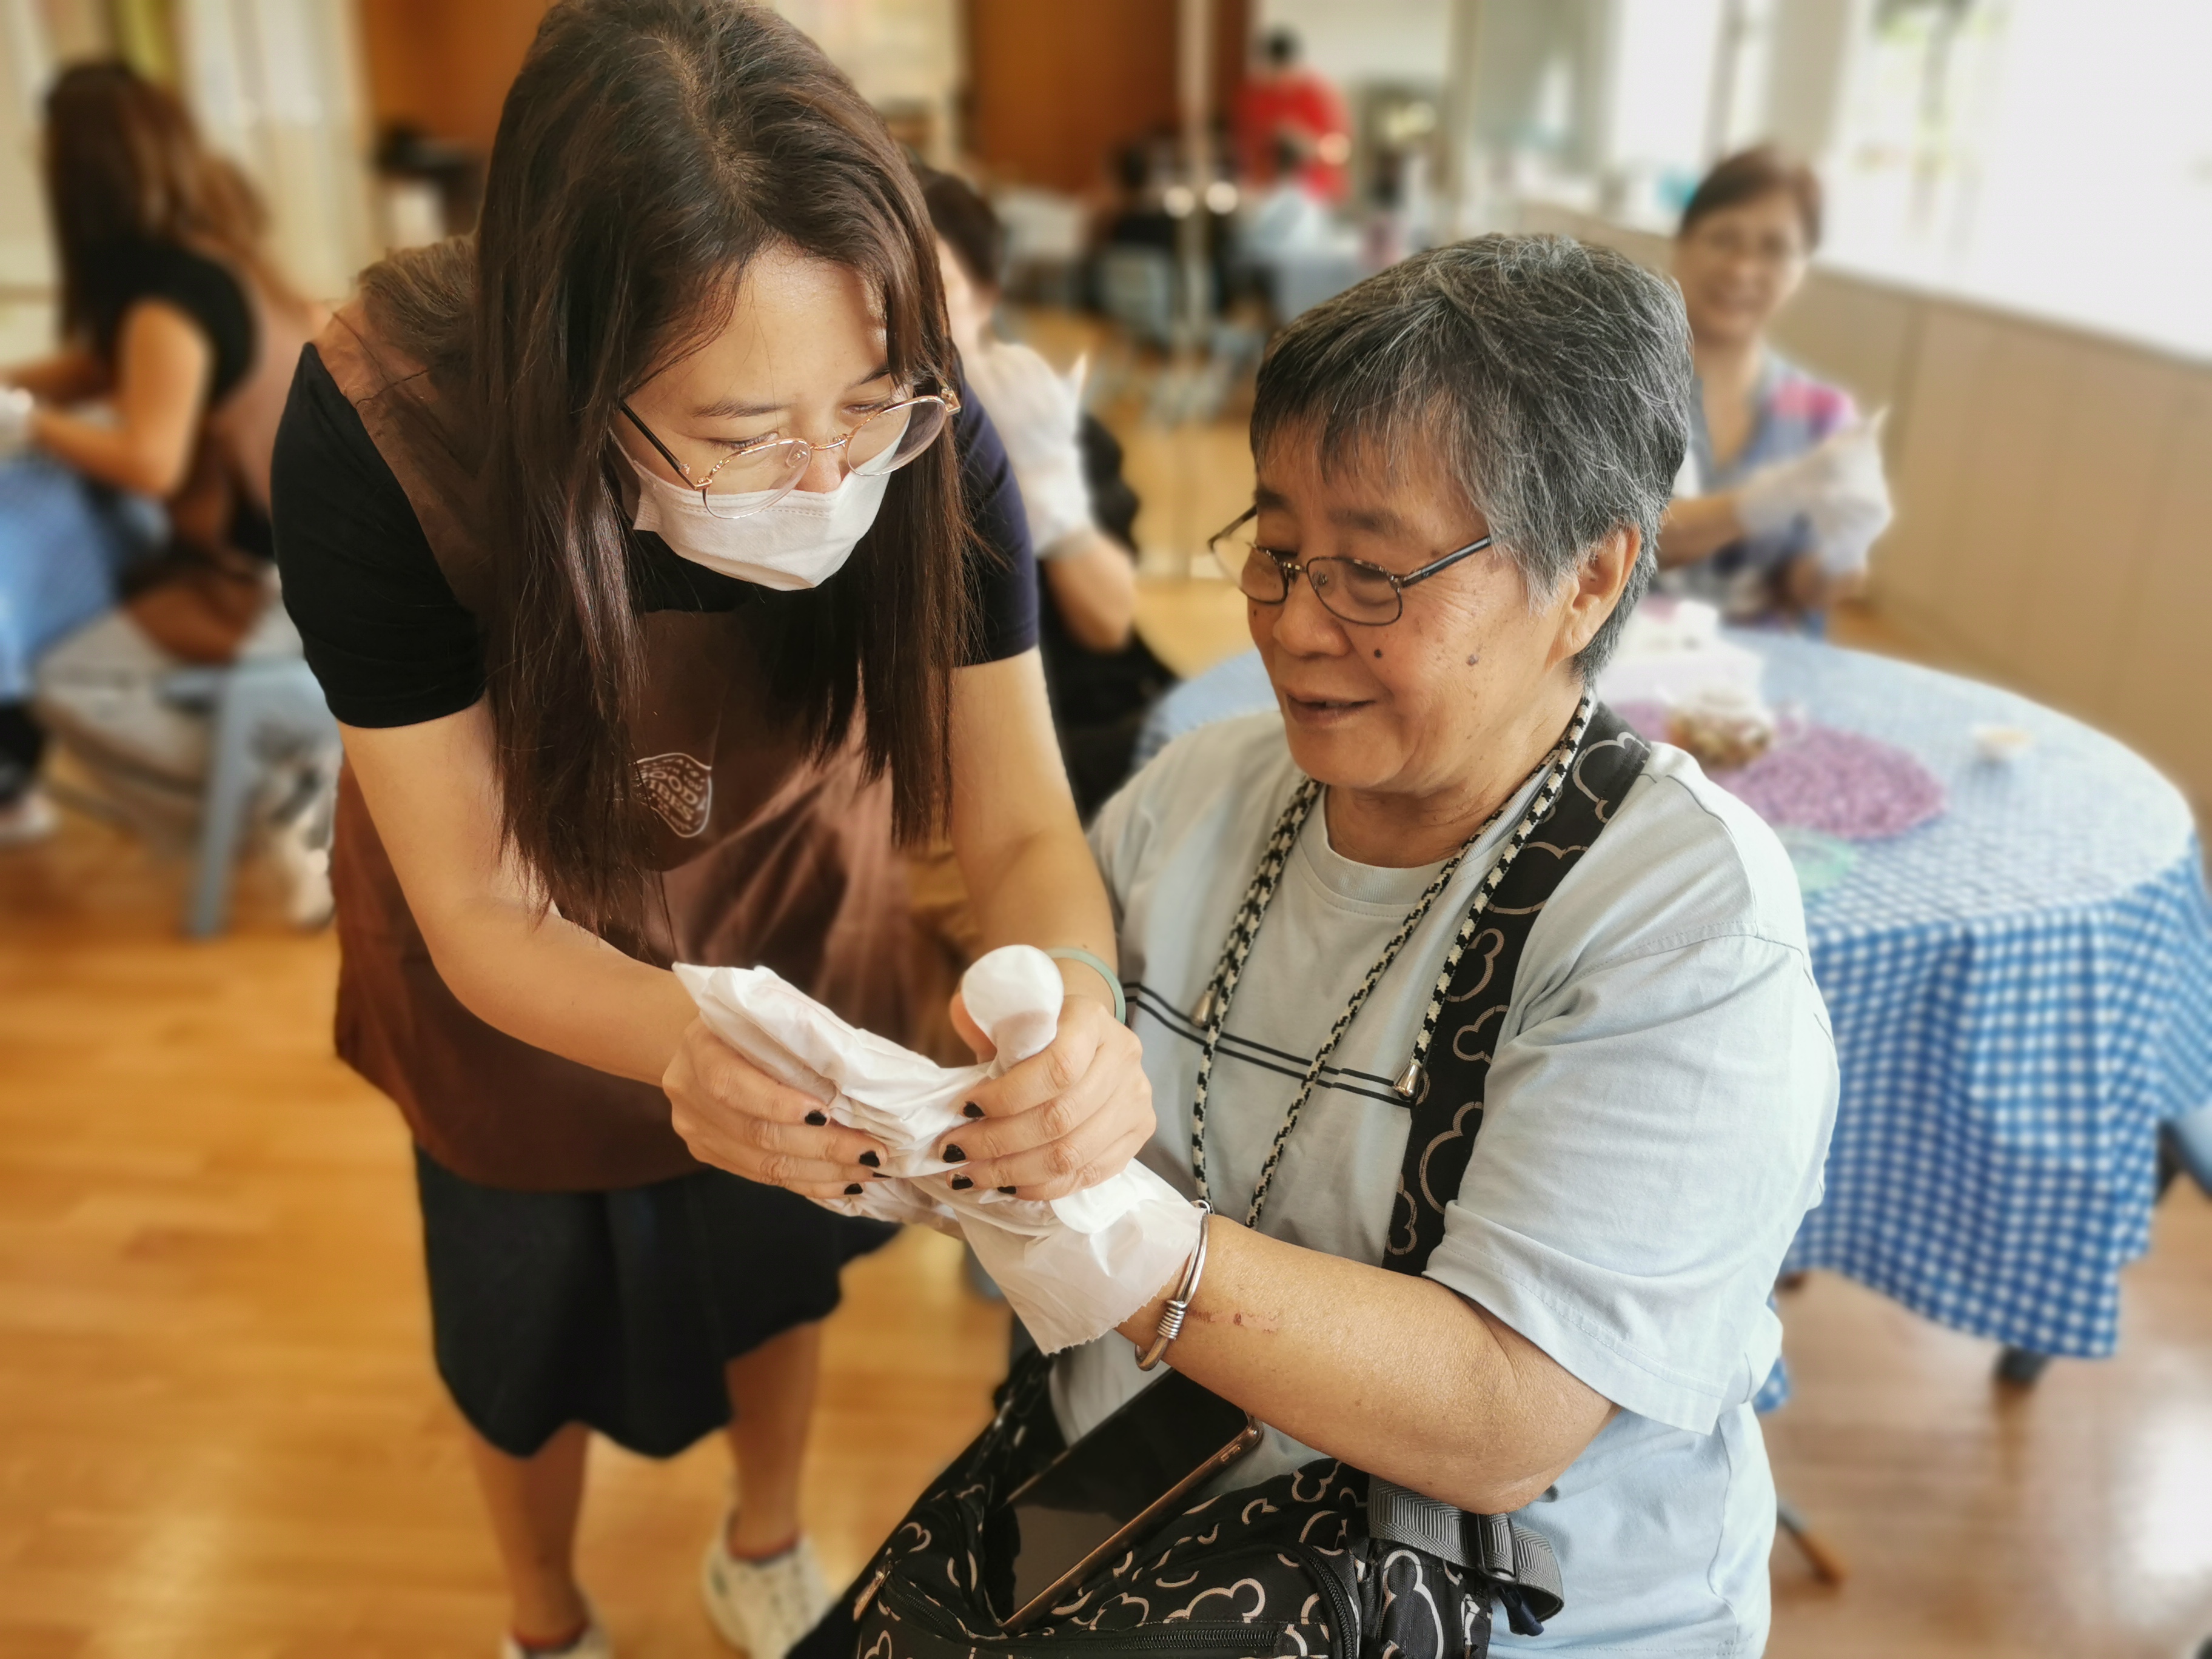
(757,475)
(1352,589)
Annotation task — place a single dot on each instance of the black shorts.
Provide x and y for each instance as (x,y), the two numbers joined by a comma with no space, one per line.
(618,1309)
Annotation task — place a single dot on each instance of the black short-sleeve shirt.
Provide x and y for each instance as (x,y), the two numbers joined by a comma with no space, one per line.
(392,646)
(129,273)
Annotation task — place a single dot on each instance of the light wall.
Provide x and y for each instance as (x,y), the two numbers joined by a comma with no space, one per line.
(278,85)
(2053,490)
(1396,42)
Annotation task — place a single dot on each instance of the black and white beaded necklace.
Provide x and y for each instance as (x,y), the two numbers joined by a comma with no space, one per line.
(1212,1010)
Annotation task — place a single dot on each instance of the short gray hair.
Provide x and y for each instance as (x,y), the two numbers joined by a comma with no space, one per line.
(1550,379)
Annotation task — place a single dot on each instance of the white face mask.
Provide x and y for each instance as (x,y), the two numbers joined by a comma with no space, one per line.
(801,541)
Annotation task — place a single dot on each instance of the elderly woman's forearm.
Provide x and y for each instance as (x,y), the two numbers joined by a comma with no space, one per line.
(1393,1373)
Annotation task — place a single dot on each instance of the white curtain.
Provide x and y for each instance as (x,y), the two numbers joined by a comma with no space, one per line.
(27,272)
(901,54)
(278,84)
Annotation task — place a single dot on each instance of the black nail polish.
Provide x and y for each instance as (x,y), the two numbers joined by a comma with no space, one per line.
(818,1119)
(960,1183)
(871,1161)
(971,1109)
(1008,1191)
(954,1155)
(853,1191)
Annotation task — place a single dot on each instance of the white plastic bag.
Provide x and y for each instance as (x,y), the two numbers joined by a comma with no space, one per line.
(1039,415)
(1073,1267)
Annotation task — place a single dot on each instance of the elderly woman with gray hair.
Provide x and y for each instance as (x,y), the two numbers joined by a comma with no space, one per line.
(1443,891)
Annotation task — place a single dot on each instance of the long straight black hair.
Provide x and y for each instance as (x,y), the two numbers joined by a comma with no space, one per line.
(647,152)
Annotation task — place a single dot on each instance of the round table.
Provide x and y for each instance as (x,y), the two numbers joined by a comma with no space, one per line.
(2021,993)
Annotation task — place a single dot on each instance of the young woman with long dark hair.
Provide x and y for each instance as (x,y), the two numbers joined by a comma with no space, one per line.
(659,576)
(174,320)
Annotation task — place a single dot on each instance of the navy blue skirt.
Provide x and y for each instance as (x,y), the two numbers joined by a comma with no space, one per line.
(618,1309)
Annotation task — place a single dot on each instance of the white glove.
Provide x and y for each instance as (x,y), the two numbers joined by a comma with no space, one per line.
(1855,509)
(1838,484)
(1039,415)
(1073,1267)
(17,408)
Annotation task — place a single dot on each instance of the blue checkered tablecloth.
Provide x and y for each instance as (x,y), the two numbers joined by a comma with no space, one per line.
(2021,992)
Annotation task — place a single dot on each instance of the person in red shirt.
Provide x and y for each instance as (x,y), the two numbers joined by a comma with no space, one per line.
(1284,109)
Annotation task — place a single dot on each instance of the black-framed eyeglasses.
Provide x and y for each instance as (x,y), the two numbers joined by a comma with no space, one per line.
(1352,589)
(758,475)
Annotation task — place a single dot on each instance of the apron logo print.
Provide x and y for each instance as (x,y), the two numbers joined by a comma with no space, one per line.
(680,789)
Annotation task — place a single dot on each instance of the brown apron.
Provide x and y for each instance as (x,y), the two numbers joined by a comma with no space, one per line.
(764,857)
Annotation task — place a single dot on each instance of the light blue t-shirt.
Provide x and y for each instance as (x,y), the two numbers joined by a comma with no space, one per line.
(1656,1118)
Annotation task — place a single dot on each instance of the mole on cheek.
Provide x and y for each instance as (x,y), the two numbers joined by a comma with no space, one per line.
(1473,658)
(1378,651)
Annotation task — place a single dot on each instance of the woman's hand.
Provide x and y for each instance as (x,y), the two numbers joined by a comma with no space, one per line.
(735,1116)
(1065,1119)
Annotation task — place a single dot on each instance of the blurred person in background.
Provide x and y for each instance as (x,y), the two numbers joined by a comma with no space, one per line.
(180,339)
(1283,103)
(661,583)
(1082,514)
(1782,494)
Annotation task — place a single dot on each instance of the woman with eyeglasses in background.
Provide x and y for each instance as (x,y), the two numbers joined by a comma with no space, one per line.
(1782,494)
(660,577)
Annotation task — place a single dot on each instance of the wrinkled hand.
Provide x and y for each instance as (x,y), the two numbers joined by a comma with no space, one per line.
(1065,1119)
(735,1116)
(1854,508)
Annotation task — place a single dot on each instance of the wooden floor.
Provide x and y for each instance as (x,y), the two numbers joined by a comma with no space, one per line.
(220,1433)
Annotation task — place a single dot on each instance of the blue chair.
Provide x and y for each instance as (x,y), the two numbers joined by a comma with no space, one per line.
(182,754)
(255,707)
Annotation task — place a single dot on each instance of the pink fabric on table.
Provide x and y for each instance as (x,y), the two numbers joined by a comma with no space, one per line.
(1837,782)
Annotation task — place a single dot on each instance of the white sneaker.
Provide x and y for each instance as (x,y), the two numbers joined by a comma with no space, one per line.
(762,1606)
(591,1644)
(29,818)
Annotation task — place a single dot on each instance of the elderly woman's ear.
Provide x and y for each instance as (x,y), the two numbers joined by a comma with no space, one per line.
(1595,589)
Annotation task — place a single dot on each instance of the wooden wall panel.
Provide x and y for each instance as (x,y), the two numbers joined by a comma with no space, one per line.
(2116,442)
(1054,90)
(1926,467)
(2163,659)
(2010,446)
(444,66)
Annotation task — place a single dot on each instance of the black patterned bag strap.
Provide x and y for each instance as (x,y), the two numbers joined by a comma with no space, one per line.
(1448,1103)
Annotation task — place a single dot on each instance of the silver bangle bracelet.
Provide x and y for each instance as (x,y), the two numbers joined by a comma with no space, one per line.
(1171,1316)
